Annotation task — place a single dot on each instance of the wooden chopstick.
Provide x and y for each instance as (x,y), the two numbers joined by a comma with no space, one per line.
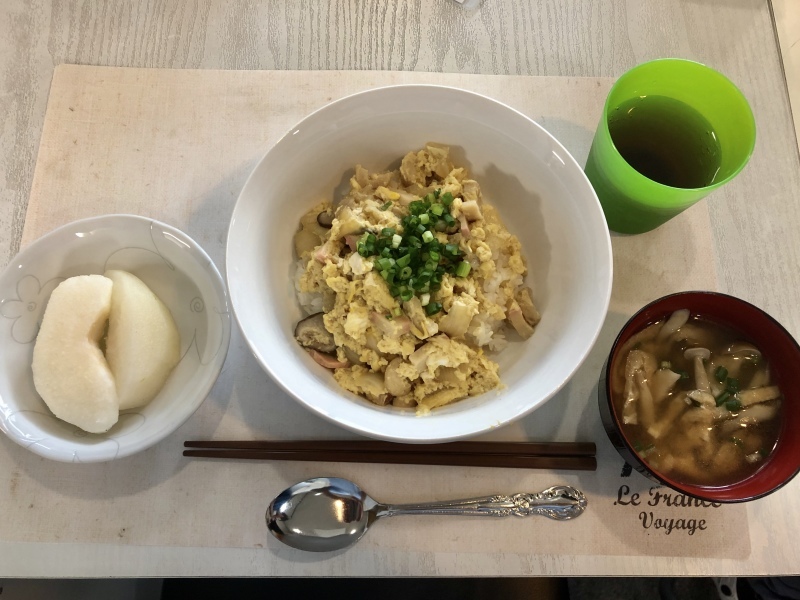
(513,461)
(561,449)
(518,455)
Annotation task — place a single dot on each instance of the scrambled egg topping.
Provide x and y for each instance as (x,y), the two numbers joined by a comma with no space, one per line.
(427,349)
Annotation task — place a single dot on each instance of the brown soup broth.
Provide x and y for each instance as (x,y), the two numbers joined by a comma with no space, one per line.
(682,439)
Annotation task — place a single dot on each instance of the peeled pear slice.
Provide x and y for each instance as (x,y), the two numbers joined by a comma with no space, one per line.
(143,344)
(69,370)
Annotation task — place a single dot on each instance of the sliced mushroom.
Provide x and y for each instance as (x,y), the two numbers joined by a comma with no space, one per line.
(524,298)
(352,356)
(325,219)
(396,384)
(705,399)
(743,350)
(676,320)
(517,320)
(311,333)
(698,355)
(329,361)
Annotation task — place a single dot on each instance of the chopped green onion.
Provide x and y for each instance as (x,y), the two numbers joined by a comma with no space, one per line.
(721,373)
(397,311)
(732,385)
(424,299)
(683,374)
(417,207)
(433,307)
(387,205)
(413,260)
(722,398)
(389,317)
(733,405)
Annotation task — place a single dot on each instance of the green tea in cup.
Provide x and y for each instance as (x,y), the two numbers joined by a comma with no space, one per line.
(672,131)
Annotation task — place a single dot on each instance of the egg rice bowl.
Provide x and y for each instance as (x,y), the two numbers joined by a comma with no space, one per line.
(409,281)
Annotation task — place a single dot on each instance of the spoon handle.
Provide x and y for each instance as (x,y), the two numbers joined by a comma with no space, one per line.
(560,502)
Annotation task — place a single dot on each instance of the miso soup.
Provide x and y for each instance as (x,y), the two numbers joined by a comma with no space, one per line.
(696,400)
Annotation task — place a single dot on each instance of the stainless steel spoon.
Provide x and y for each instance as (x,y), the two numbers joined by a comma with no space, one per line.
(327,513)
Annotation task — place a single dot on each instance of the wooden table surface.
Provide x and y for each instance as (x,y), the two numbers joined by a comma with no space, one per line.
(755,234)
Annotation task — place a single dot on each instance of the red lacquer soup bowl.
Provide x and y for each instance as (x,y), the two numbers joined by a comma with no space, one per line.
(779,348)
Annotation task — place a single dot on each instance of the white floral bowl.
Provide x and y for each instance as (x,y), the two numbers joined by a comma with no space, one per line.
(539,190)
(179,272)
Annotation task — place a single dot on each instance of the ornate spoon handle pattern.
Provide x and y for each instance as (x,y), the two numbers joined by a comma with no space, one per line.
(559,502)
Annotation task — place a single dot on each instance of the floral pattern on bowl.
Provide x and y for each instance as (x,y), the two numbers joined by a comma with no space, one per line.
(179,272)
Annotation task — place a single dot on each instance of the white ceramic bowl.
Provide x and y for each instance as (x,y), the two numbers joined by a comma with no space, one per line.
(539,190)
(179,272)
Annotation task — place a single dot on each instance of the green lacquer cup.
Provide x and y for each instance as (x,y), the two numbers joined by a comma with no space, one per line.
(672,131)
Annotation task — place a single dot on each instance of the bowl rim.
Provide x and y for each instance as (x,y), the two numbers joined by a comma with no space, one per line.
(366,428)
(134,445)
(605,397)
